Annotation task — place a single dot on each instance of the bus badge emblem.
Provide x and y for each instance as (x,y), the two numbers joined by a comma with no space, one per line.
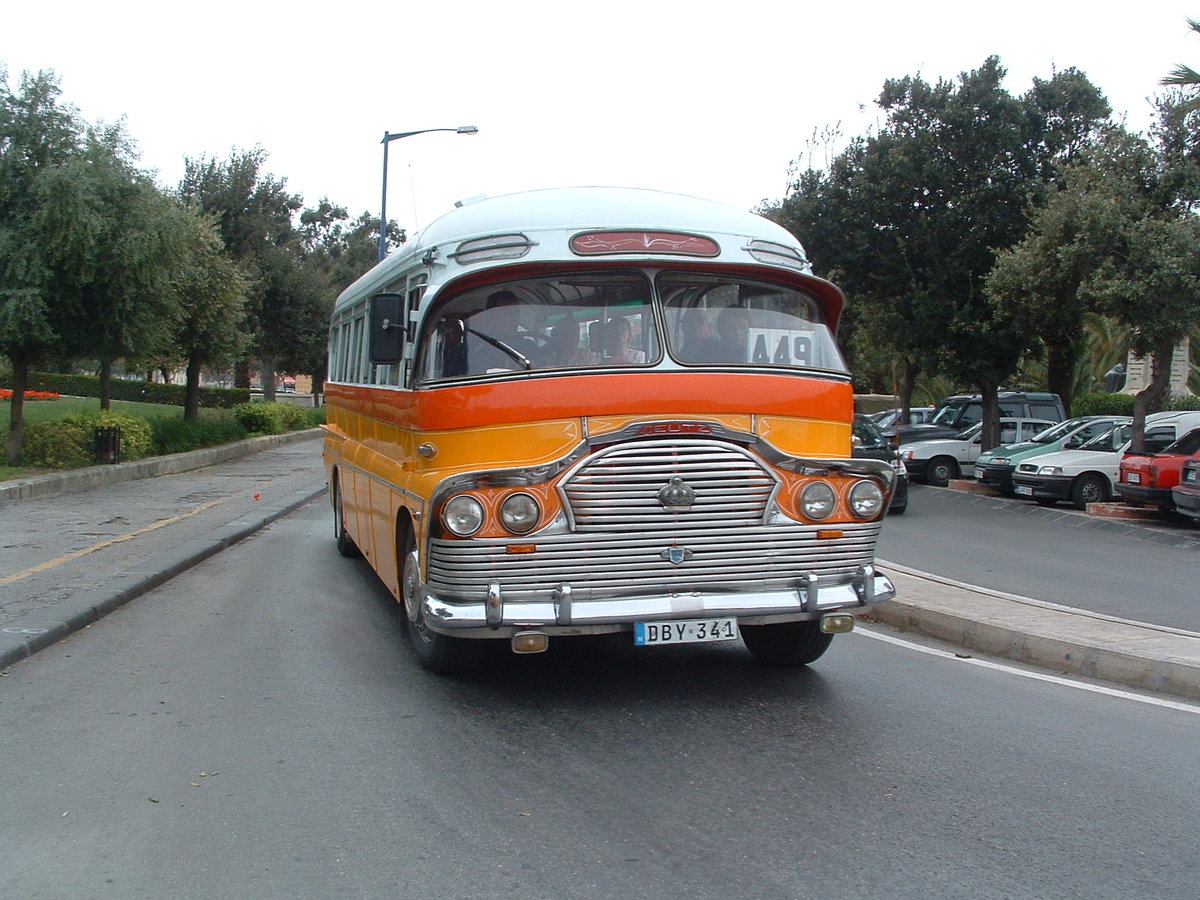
(676,555)
(676,495)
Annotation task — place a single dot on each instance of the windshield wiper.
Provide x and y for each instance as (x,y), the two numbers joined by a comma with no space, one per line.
(516,355)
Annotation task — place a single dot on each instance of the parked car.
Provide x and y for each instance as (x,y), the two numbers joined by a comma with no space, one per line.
(1088,475)
(957,413)
(1186,494)
(886,421)
(995,467)
(1149,477)
(937,461)
(869,443)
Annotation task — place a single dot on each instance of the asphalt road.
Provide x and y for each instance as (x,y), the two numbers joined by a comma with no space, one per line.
(257,727)
(1132,570)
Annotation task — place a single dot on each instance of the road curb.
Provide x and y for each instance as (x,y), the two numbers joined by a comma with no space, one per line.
(55,484)
(1078,642)
(29,634)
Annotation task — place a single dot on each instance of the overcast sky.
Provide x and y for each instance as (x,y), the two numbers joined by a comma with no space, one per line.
(708,99)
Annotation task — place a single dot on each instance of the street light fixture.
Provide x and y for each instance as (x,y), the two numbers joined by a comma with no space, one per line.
(388,137)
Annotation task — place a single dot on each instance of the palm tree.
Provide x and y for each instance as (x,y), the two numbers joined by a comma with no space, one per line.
(1185,75)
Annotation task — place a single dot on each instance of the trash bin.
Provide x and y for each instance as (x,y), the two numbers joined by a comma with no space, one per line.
(108,445)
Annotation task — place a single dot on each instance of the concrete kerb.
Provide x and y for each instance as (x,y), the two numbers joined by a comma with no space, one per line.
(57,483)
(28,635)
(1135,654)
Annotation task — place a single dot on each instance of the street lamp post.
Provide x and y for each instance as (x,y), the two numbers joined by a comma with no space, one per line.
(388,137)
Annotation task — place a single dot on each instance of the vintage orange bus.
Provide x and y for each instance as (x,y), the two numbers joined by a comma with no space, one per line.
(588,410)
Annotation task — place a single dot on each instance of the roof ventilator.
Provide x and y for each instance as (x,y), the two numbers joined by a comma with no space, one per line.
(494,246)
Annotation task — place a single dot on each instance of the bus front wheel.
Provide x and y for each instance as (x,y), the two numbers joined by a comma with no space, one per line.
(439,653)
(787,643)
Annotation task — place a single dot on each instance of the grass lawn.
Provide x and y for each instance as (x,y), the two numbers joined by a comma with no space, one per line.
(50,410)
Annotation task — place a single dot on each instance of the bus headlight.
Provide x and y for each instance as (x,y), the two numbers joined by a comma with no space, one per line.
(818,500)
(519,513)
(462,515)
(866,499)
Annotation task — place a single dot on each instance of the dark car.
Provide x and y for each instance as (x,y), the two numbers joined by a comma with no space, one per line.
(869,443)
(959,412)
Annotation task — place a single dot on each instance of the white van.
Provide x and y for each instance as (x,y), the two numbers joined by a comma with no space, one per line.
(1088,475)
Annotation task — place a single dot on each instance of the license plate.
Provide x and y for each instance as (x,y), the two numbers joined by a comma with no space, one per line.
(1133,478)
(1024,490)
(979,473)
(689,631)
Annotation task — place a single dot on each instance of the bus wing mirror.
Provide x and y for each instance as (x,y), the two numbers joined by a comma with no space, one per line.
(387,329)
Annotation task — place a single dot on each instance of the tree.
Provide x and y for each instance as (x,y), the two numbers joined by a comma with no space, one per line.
(1181,75)
(253,212)
(209,290)
(102,228)
(37,133)
(915,214)
(1119,239)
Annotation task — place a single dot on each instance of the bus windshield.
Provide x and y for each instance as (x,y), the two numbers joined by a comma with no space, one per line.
(715,319)
(607,318)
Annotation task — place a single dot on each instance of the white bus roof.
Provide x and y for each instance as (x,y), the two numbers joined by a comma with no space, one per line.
(577,209)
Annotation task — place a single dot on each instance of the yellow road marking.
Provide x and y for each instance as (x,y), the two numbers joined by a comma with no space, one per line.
(76,554)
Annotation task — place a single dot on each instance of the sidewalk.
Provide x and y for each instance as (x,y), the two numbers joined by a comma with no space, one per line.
(208,500)
(78,545)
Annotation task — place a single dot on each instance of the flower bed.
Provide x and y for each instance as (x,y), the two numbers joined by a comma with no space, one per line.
(6,394)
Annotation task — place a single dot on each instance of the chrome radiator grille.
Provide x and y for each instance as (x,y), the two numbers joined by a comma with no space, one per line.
(618,489)
(600,566)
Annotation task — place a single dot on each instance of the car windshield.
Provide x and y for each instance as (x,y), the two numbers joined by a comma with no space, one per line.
(1109,441)
(1057,432)
(948,414)
(868,435)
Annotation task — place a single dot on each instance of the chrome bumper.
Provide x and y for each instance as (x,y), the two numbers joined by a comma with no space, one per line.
(562,614)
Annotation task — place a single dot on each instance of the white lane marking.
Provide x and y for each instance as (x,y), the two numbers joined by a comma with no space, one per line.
(1024,673)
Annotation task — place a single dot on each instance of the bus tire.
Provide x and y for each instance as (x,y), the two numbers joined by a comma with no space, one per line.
(345,543)
(786,644)
(439,653)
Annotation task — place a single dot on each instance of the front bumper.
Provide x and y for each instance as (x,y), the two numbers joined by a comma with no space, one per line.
(996,476)
(916,468)
(1043,487)
(564,615)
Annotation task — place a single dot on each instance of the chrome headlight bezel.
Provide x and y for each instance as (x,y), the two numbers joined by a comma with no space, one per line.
(818,500)
(462,515)
(866,499)
(520,513)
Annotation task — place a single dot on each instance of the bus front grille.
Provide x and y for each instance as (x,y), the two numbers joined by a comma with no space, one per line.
(621,488)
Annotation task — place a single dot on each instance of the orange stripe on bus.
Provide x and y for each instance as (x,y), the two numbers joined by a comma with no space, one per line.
(670,394)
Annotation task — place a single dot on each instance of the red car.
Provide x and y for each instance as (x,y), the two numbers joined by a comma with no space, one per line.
(1149,477)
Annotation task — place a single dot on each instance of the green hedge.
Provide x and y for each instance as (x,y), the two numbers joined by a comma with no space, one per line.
(69,442)
(143,391)
(1120,404)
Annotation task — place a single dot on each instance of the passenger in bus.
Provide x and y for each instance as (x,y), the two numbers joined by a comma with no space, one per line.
(563,348)
(729,345)
(617,336)
(499,320)
(695,329)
